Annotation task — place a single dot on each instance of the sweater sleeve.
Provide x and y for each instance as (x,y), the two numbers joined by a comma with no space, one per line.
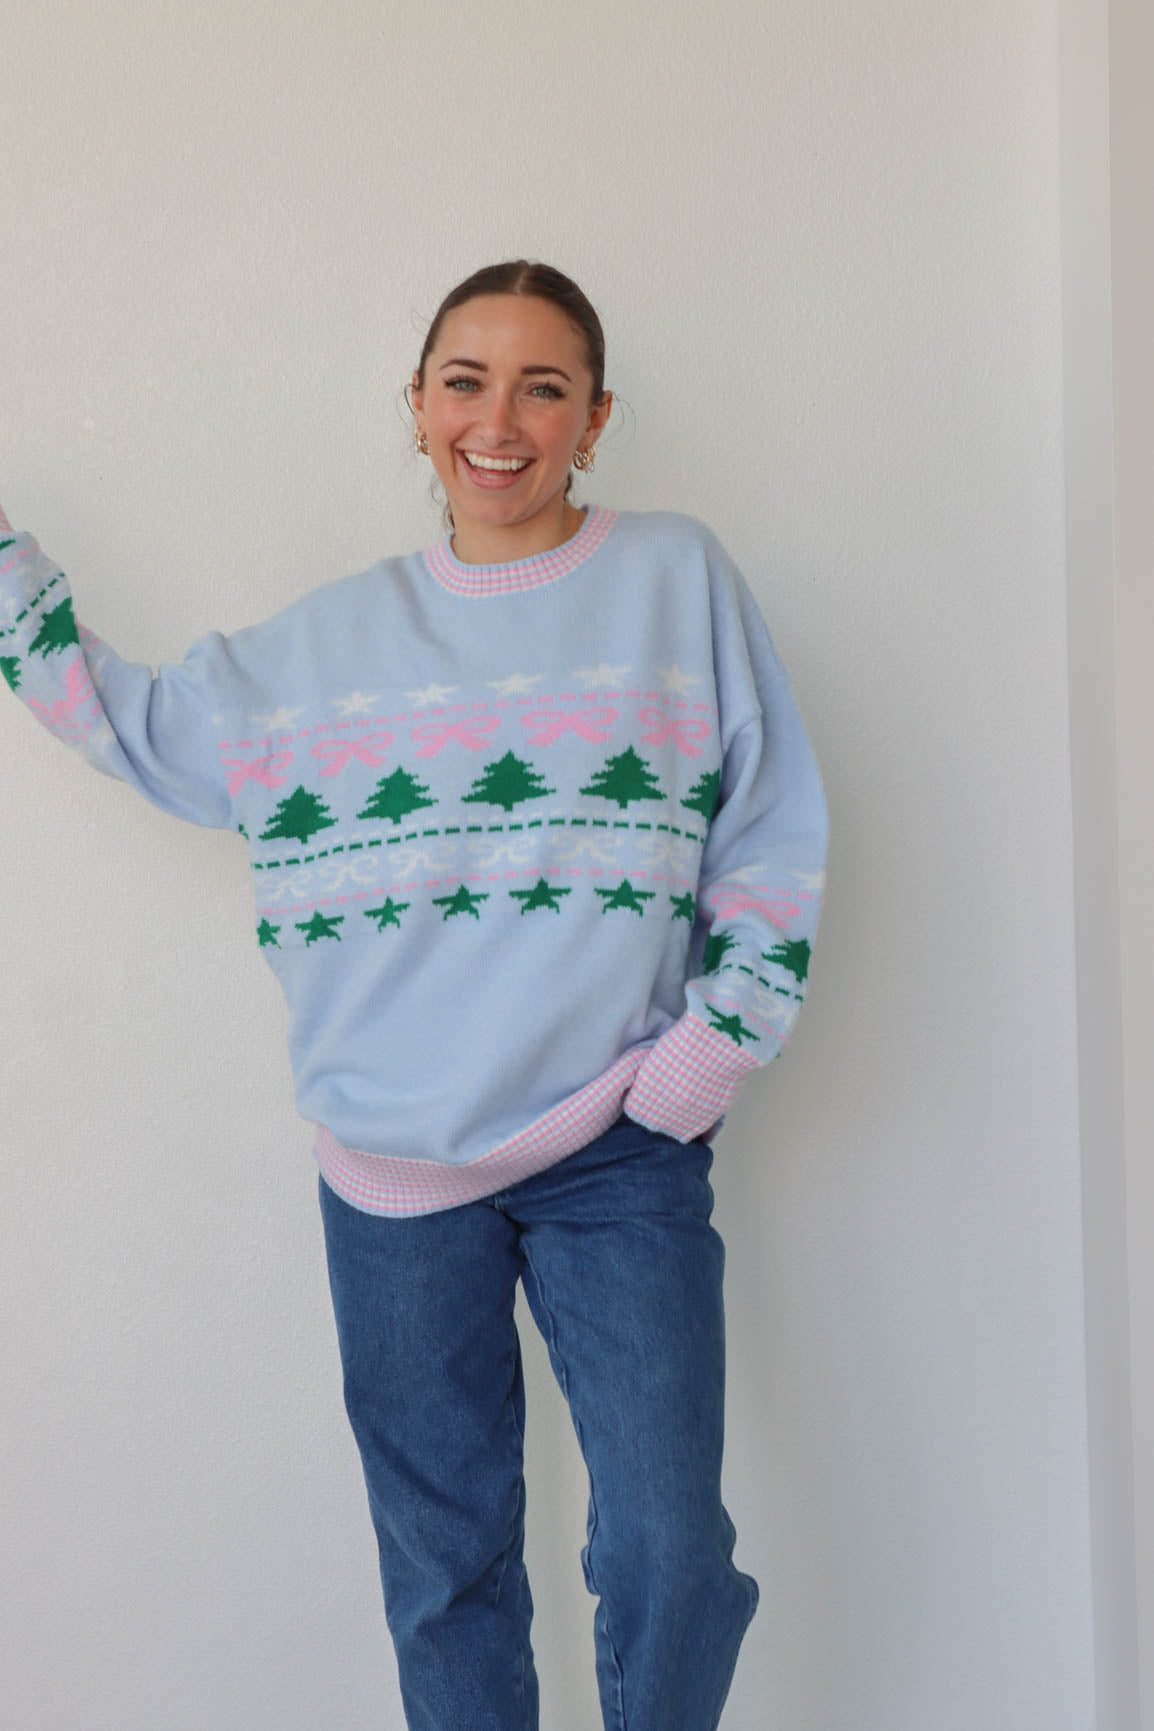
(759,896)
(156,732)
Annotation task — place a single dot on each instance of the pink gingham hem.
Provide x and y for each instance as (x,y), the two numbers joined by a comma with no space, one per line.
(389,1184)
(680,1086)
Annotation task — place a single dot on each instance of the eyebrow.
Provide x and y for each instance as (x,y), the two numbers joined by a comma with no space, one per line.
(460,361)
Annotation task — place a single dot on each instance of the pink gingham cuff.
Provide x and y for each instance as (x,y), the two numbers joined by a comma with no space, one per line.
(687,1080)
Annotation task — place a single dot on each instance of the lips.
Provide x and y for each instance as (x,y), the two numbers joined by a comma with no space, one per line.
(493,480)
(496,465)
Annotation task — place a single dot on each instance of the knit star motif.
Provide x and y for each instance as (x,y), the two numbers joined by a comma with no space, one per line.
(625,896)
(276,719)
(426,695)
(356,703)
(731,1025)
(675,680)
(387,914)
(462,901)
(320,926)
(542,895)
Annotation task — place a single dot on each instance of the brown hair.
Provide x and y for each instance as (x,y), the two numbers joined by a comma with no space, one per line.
(522,276)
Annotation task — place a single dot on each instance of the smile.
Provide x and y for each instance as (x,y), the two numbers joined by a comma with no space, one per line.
(476,461)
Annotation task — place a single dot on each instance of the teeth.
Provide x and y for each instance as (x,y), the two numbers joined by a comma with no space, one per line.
(495,462)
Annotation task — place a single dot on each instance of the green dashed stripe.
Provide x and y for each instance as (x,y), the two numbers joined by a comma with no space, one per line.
(471,829)
(744,968)
(10,630)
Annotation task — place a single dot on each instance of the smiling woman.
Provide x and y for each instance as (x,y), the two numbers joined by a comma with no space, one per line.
(538,844)
(509,391)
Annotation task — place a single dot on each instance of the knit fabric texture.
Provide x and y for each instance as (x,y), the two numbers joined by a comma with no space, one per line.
(532,844)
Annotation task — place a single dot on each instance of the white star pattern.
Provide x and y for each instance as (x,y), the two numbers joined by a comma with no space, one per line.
(514,683)
(675,681)
(427,694)
(602,675)
(356,703)
(279,718)
(814,881)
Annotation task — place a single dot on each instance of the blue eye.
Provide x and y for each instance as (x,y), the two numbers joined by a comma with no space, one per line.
(464,384)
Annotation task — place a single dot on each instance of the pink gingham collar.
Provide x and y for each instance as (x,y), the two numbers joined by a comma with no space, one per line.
(529,573)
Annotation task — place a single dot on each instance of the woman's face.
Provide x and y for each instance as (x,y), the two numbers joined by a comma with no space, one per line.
(505,404)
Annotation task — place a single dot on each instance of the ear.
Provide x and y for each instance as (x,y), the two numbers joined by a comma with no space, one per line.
(598,416)
(416,396)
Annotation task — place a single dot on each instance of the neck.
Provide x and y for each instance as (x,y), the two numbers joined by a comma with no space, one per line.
(500,544)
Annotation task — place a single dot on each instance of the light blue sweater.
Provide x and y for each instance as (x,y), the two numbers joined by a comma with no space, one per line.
(532,844)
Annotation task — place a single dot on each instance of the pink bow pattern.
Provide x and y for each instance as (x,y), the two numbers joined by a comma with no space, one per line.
(681,730)
(472,734)
(62,717)
(261,769)
(367,749)
(550,724)
(777,906)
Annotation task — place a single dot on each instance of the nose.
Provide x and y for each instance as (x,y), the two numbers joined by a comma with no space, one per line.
(498,424)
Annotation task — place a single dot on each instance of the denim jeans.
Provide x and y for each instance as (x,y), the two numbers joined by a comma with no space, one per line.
(623,1275)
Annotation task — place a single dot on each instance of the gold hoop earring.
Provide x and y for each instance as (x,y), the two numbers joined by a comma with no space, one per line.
(421,441)
(584,460)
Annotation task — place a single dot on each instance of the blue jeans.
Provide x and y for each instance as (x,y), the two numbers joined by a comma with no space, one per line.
(623,1275)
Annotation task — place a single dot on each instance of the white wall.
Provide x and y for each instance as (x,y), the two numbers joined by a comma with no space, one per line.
(1094,772)
(825,245)
(1131,143)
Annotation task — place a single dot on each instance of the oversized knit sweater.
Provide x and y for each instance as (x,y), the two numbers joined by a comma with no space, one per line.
(533,845)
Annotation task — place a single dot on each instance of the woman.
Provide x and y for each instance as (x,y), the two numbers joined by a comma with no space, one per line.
(538,842)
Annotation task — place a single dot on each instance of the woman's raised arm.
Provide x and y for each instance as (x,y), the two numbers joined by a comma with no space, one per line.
(157,732)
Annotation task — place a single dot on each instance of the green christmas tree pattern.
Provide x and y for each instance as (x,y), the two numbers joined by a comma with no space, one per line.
(684,906)
(791,953)
(716,944)
(57,630)
(10,668)
(395,796)
(703,795)
(267,934)
(298,817)
(508,781)
(542,895)
(624,778)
